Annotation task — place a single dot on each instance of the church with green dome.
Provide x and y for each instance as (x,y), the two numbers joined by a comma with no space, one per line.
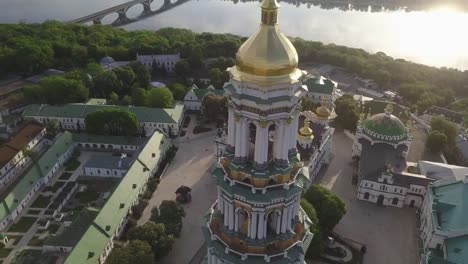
(381,145)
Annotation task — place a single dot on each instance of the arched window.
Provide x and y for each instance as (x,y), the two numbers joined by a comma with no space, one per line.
(246,180)
(366,196)
(395,201)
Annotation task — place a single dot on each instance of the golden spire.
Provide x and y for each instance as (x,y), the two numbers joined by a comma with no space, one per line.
(268,56)
(306,131)
(269,12)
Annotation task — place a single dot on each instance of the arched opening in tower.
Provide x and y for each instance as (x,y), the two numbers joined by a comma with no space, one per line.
(243,220)
(252,136)
(271,142)
(273,223)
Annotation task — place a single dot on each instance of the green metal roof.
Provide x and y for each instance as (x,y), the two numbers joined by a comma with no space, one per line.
(72,234)
(144,114)
(457,249)
(100,139)
(200,93)
(319,85)
(377,107)
(451,206)
(117,206)
(387,126)
(37,171)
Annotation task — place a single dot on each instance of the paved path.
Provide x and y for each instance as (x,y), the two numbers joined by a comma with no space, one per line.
(190,167)
(390,234)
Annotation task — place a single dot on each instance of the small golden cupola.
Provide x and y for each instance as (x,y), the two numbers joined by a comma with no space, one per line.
(267,56)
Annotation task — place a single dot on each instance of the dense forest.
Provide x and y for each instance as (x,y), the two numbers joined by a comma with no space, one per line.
(30,48)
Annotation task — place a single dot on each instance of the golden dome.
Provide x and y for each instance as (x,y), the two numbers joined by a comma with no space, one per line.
(306,131)
(322,112)
(267,52)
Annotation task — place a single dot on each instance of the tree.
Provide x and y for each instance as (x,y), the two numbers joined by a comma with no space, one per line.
(52,128)
(142,75)
(178,91)
(112,121)
(316,246)
(127,78)
(182,68)
(329,207)
(114,98)
(160,98)
(56,90)
(137,251)
(347,112)
(155,235)
(139,96)
(445,127)
(126,100)
(170,213)
(31,56)
(105,83)
(216,77)
(436,141)
(213,106)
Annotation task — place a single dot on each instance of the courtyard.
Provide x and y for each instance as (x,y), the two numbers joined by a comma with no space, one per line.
(190,167)
(390,234)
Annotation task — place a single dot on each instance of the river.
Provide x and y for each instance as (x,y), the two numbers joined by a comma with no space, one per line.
(434,37)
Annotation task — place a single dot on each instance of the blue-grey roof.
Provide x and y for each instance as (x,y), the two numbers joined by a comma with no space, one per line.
(109,162)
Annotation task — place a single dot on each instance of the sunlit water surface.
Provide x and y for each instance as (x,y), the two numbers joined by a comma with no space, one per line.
(435,37)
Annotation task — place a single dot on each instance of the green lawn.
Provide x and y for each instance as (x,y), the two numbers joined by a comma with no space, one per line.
(23,224)
(4,252)
(36,242)
(34,211)
(41,201)
(87,196)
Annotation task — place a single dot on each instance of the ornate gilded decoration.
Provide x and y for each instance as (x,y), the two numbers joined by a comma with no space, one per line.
(263,123)
(289,119)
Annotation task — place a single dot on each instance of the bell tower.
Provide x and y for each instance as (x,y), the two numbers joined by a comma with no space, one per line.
(257,217)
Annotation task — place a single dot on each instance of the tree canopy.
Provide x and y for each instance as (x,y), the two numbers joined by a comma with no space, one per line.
(329,207)
(112,121)
(436,141)
(445,127)
(137,251)
(160,97)
(169,213)
(316,246)
(347,111)
(214,105)
(56,90)
(155,235)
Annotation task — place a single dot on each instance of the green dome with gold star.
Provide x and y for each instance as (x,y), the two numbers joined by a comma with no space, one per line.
(385,127)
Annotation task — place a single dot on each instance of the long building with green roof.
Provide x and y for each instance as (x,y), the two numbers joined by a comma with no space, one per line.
(97,242)
(19,195)
(72,116)
(444,222)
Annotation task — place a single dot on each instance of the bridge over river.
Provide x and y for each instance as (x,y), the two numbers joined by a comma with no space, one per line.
(122,9)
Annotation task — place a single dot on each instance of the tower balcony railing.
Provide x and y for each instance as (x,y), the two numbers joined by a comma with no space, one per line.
(299,237)
(232,182)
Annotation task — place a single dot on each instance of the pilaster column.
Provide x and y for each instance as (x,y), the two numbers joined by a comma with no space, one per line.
(253,226)
(293,136)
(244,139)
(279,133)
(286,141)
(258,144)
(284,216)
(248,225)
(231,216)
(278,222)
(290,214)
(261,222)
(220,202)
(231,128)
(238,138)
(226,214)
(236,221)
